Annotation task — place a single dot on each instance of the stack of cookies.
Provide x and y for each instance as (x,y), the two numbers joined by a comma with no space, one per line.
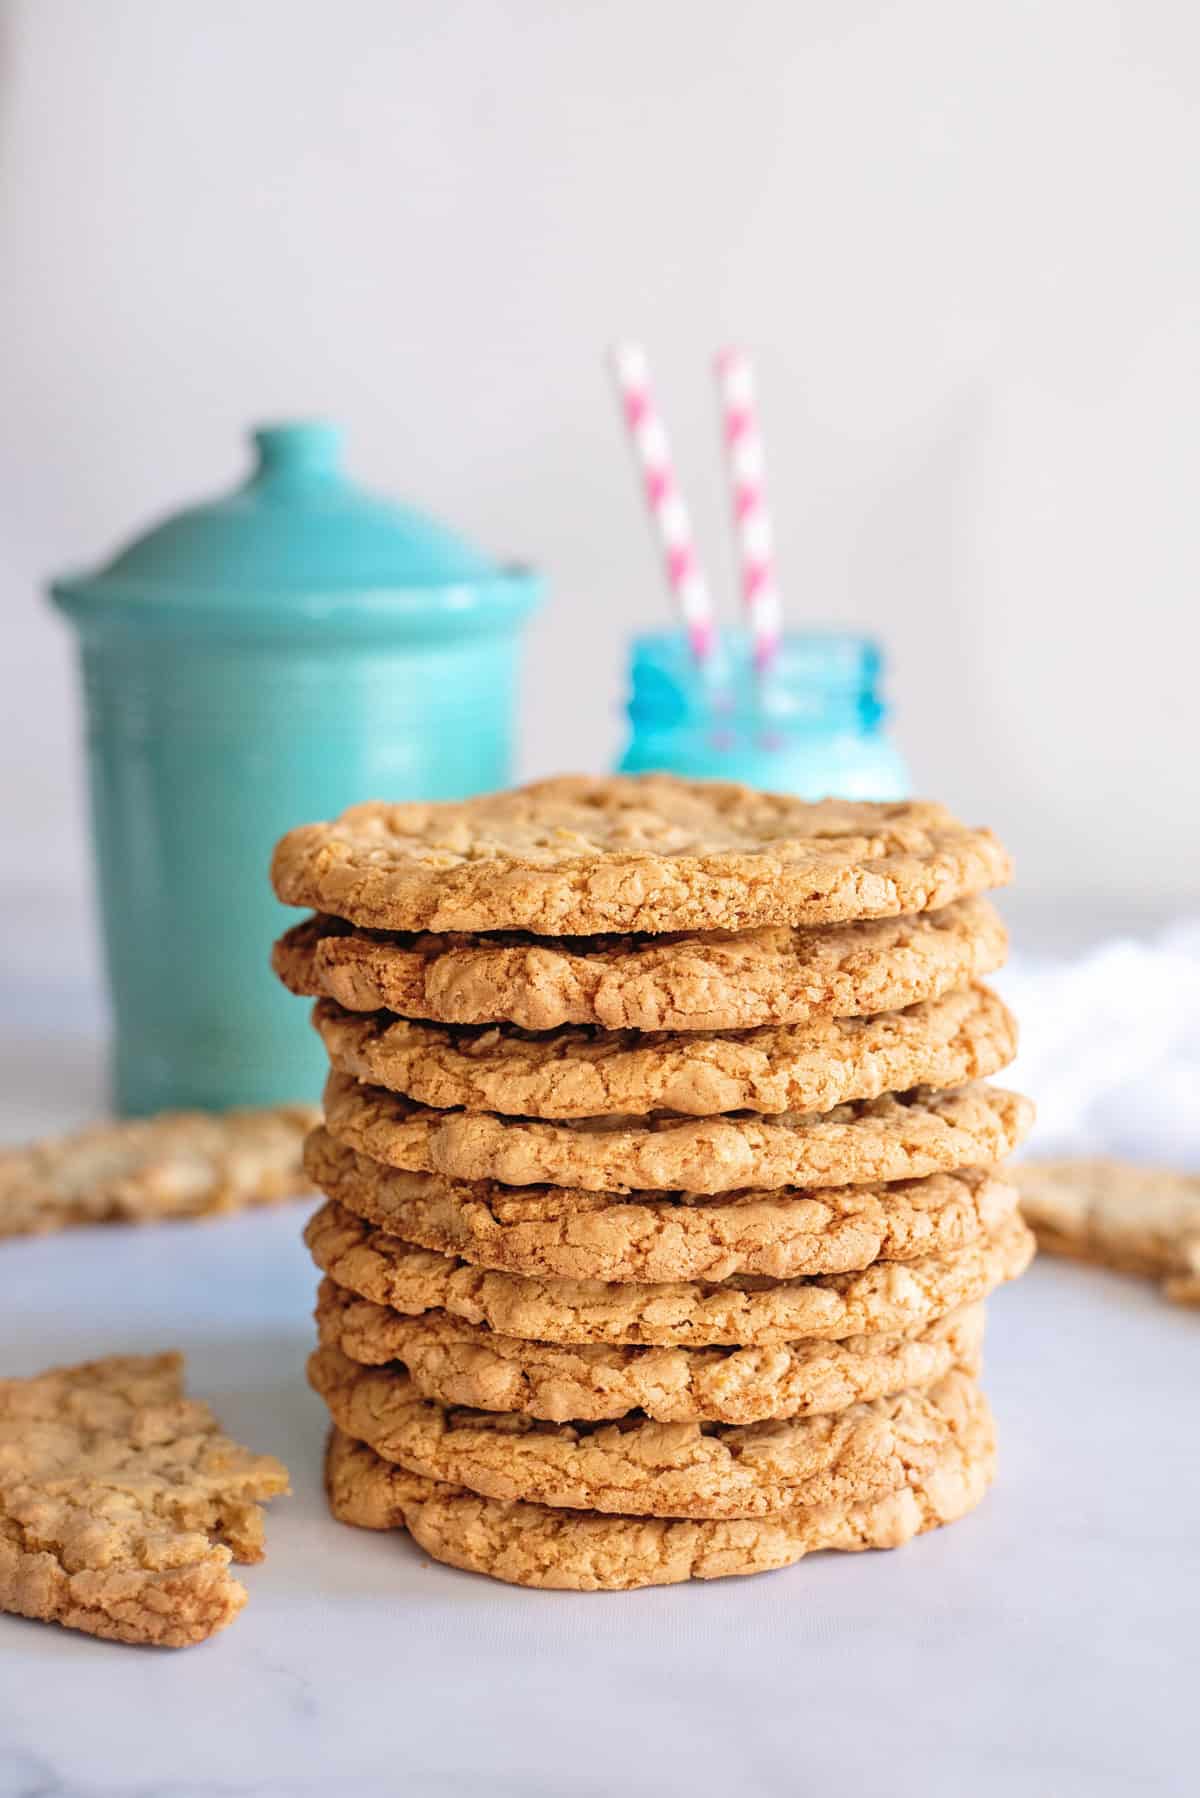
(661,1171)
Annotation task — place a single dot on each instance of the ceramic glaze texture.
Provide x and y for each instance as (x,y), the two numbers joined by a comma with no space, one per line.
(815,729)
(273,656)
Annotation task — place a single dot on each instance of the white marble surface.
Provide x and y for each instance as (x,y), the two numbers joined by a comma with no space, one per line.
(1046,1646)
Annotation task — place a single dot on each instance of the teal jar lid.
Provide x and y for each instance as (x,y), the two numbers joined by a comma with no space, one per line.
(299,546)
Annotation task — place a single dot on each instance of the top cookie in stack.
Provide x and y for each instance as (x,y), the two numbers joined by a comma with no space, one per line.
(647,1065)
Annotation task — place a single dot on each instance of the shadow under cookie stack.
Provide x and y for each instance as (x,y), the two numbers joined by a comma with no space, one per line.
(662,1173)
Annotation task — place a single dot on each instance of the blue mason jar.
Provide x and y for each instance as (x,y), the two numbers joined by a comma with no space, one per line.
(265,658)
(816,729)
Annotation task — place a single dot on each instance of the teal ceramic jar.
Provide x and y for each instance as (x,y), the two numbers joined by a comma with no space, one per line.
(249,665)
(816,729)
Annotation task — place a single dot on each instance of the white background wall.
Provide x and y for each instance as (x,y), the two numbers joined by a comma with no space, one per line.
(960,238)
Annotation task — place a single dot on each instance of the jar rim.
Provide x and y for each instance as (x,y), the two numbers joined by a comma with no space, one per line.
(817,678)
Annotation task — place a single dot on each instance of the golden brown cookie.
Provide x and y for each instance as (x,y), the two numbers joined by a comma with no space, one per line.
(889,1298)
(460,1363)
(565,1233)
(581,855)
(899,1136)
(1141,1220)
(716,980)
(178,1164)
(122,1504)
(580,1073)
(635,1466)
(533,1545)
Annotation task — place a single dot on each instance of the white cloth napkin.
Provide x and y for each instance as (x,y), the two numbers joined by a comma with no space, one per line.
(1110,1048)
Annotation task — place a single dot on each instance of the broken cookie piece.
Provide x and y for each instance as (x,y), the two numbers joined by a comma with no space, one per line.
(122,1504)
(1140,1220)
(141,1170)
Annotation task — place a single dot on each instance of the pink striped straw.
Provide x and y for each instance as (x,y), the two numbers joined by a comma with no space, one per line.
(751,519)
(667,509)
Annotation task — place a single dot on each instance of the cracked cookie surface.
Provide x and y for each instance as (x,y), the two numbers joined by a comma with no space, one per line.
(710,981)
(1142,1220)
(578,1073)
(635,1466)
(573,1233)
(888,1298)
(578,855)
(122,1504)
(178,1164)
(898,1136)
(460,1363)
(534,1545)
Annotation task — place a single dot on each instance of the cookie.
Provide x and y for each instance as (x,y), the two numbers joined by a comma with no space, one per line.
(564,1233)
(1184,1288)
(580,856)
(898,1136)
(533,1545)
(579,1073)
(460,1363)
(888,1298)
(178,1164)
(1142,1220)
(713,981)
(635,1466)
(122,1504)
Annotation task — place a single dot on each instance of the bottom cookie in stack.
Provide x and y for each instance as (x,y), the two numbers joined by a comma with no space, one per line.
(531,1544)
(559,1433)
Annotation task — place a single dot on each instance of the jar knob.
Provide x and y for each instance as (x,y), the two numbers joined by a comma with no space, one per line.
(310,448)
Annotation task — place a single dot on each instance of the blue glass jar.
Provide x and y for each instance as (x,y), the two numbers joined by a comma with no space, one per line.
(816,729)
